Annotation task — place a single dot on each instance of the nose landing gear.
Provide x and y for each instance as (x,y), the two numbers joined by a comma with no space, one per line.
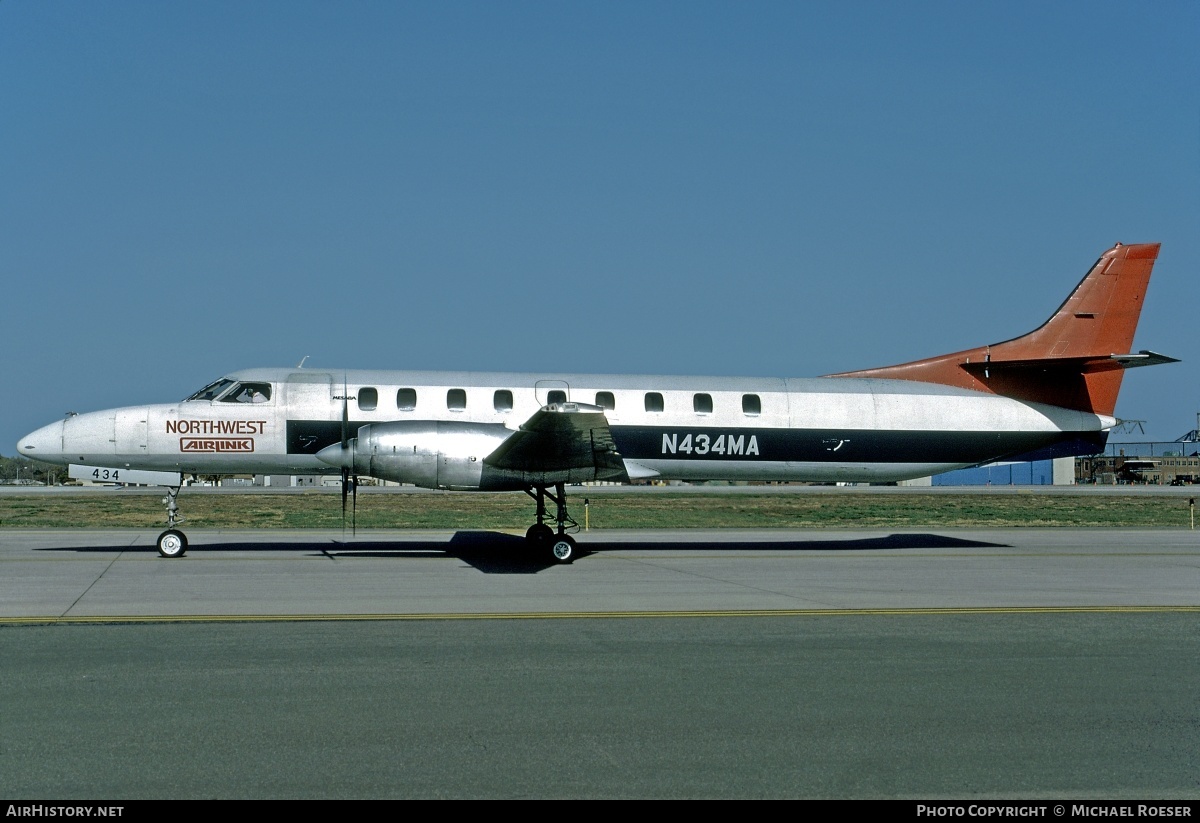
(172,542)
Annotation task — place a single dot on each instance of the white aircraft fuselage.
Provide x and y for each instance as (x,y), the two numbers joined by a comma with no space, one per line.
(696,428)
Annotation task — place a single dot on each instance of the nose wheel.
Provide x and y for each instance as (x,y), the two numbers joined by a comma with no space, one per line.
(172,543)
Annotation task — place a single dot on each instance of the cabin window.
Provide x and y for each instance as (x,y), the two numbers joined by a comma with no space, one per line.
(654,401)
(751,404)
(368,399)
(702,403)
(406,399)
(249,393)
(556,396)
(456,399)
(605,400)
(502,400)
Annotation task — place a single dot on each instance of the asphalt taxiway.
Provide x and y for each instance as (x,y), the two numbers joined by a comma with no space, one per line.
(949,663)
(71,575)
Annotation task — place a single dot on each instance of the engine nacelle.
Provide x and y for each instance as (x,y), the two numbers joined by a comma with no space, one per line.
(428,453)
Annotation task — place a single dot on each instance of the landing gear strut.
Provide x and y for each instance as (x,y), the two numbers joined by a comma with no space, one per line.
(541,537)
(172,542)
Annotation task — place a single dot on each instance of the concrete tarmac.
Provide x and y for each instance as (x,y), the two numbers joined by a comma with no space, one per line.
(1015,663)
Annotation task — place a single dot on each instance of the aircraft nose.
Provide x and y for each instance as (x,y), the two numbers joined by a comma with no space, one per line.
(44,444)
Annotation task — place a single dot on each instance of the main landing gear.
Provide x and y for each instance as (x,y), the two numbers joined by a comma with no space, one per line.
(172,542)
(541,537)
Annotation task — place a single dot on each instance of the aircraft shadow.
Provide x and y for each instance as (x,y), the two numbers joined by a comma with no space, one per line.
(499,553)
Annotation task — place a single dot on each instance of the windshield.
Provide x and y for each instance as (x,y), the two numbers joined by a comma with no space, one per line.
(213,389)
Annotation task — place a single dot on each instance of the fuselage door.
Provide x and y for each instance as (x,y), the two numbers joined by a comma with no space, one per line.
(312,411)
(310,397)
(551,391)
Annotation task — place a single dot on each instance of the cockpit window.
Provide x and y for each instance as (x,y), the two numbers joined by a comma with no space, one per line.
(212,390)
(248,393)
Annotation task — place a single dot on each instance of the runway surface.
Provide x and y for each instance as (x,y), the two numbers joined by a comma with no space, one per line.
(57,575)
(1016,663)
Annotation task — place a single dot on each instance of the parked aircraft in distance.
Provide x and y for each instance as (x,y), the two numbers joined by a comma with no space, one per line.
(1051,392)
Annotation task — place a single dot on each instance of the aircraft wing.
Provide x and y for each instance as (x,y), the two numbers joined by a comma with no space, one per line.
(561,443)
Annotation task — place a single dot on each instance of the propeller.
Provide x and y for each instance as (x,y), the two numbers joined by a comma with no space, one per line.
(349,483)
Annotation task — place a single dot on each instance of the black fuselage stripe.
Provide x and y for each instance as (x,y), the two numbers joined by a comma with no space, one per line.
(787,445)
(842,445)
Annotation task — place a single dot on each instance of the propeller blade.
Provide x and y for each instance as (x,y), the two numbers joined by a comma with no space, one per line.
(345,481)
(345,444)
(354,505)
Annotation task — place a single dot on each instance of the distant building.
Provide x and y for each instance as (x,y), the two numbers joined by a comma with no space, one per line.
(1167,468)
(1037,473)
(1154,463)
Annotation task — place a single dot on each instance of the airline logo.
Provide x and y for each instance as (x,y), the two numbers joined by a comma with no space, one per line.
(213,445)
(220,436)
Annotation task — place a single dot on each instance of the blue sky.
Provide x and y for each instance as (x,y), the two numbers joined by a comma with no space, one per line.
(782,189)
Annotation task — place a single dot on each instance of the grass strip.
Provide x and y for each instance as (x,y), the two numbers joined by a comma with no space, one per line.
(484,510)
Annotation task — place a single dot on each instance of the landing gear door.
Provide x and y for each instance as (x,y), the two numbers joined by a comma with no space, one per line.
(552,391)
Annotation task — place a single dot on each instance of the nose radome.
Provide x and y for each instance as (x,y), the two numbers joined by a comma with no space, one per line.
(44,444)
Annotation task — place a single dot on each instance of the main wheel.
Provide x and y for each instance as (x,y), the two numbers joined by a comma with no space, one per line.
(562,550)
(539,534)
(172,543)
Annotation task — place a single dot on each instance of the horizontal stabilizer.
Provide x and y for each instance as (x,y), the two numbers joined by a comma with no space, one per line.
(1079,365)
(1143,358)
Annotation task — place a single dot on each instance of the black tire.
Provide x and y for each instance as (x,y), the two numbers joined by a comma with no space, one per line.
(172,543)
(562,549)
(539,534)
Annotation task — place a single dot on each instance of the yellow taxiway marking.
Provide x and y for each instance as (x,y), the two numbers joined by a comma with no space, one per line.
(597,615)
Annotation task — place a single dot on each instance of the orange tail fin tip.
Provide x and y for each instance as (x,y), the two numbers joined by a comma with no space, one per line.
(1076,359)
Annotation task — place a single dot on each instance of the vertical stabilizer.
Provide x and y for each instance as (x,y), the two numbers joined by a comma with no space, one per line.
(1076,359)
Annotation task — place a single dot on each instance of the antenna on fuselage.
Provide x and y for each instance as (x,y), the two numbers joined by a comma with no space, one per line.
(300,365)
